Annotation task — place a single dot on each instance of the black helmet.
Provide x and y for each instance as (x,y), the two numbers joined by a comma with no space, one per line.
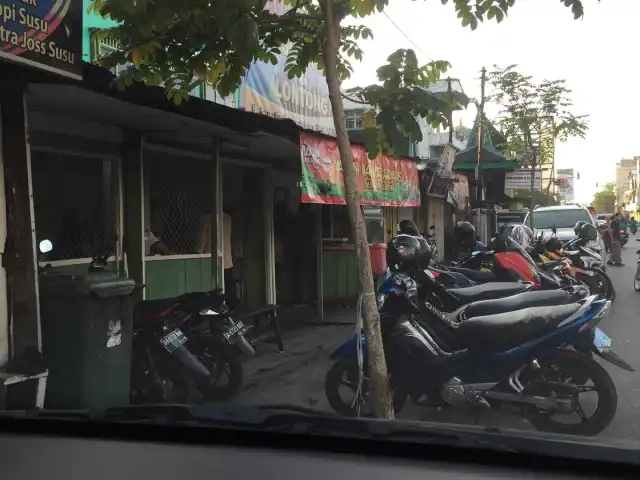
(554,245)
(404,253)
(464,232)
(586,230)
(578,226)
(408,227)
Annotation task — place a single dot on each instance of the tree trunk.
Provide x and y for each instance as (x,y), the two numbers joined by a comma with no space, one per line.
(532,200)
(377,365)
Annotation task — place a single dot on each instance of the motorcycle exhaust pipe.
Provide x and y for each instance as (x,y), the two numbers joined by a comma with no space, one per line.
(245,346)
(190,361)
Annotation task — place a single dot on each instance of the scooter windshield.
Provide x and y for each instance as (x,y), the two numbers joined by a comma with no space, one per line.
(514,246)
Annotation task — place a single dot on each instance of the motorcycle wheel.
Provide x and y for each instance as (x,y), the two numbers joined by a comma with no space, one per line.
(636,280)
(221,361)
(599,284)
(345,372)
(558,369)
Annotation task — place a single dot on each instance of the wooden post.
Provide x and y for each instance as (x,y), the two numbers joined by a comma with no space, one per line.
(479,139)
(217,224)
(319,269)
(133,179)
(20,259)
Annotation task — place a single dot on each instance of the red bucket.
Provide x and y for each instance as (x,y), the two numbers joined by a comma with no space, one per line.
(378,253)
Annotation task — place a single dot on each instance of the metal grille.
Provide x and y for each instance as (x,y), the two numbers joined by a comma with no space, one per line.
(75,205)
(179,198)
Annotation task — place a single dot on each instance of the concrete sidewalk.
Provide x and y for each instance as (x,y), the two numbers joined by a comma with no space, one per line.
(296,376)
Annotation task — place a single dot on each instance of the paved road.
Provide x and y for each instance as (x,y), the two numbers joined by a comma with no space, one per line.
(623,326)
(302,382)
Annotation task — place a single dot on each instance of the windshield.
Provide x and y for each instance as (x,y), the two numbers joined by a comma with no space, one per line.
(206,213)
(546,219)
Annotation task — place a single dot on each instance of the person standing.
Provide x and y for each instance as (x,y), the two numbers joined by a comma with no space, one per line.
(616,248)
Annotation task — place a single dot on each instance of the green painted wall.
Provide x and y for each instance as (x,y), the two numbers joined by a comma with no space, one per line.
(339,274)
(89,21)
(168,278)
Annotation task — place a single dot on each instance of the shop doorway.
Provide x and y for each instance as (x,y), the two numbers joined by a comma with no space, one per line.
(296,245)
(244,237)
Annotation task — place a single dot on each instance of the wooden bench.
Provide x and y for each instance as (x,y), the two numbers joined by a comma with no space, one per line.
(269,313)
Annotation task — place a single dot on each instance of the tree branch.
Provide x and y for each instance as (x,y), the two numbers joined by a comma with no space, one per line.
(346,97)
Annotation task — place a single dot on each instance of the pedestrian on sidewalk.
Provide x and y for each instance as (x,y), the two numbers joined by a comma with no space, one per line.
(616,248)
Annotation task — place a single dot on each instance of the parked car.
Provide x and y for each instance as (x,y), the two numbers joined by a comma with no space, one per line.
(564,218)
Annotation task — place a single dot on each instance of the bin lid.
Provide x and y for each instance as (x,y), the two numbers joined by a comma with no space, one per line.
(101,284)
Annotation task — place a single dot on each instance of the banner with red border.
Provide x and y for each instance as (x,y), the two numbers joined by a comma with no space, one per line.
(383,181)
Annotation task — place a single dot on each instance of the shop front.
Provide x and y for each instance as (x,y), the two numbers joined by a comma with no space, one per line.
(389,192)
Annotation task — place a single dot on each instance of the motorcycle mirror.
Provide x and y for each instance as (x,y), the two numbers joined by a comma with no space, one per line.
(45,246)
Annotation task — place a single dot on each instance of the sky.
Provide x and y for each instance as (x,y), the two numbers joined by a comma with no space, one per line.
(596,55)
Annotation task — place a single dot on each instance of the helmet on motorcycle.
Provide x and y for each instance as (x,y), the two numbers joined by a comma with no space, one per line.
(464,233)
(553,245)
(522,235)
(586,230)
(578,226)
(408,227)
(404,253)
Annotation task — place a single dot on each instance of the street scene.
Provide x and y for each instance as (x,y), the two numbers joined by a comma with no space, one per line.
(322,209)
(297,376)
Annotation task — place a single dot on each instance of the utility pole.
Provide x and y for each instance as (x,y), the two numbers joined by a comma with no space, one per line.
(480,139)
(450,118)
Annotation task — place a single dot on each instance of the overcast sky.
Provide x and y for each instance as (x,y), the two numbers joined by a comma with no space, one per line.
(598,56)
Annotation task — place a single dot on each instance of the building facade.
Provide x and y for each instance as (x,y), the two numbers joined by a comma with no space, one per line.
(625,169)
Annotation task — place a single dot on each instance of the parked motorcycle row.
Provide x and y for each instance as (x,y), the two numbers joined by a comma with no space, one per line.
(514,326)
(185,349)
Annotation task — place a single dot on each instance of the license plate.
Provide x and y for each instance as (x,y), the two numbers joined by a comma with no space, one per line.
(174,340)
(601,340)
(231,335)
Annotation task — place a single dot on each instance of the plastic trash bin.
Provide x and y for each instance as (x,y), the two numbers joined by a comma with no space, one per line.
(86,323)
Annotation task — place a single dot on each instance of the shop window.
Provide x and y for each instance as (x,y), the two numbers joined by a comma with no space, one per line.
(75,204)
(335,222)
(177,204)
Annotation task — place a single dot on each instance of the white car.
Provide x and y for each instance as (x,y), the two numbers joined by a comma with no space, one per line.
(564,218)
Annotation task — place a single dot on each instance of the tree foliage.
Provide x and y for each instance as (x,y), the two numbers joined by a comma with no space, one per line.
(177,44)
(604,201)
(544,198)
(533,116)
(170,43)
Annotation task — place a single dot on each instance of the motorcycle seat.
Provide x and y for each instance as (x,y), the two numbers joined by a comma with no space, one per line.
(475,275)
(150,310)
(540,298)
(487,291)
(504,331)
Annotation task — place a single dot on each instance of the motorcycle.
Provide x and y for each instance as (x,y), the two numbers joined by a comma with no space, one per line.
(184,346)
(590,272)
(624,237)
(494,357)
(509,262)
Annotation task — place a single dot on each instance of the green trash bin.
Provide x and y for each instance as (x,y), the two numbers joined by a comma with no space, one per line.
(86,324)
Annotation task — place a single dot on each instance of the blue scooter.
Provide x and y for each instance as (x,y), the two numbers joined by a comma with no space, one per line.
(502,354)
